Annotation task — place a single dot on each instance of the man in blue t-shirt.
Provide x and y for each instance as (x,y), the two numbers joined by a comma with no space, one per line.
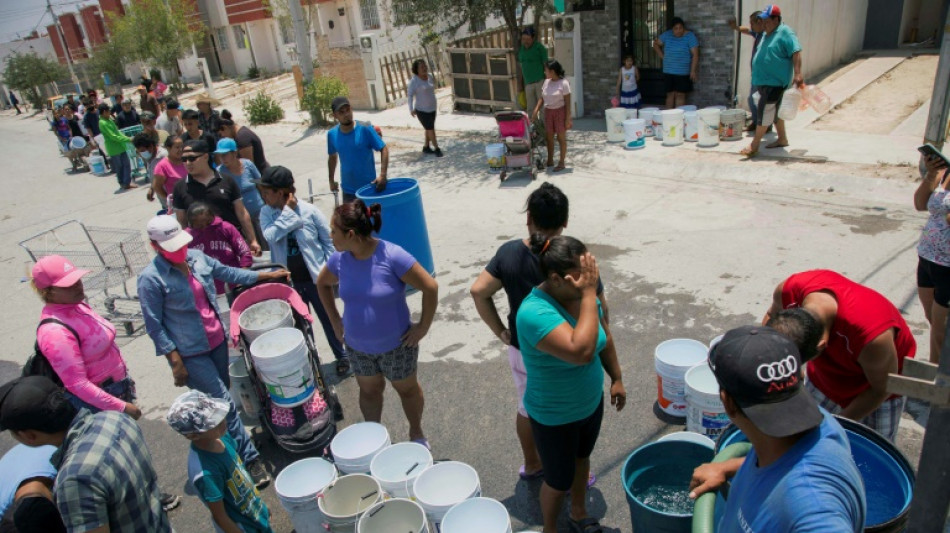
(800,476)
(776,65)
(679,50)
(352,144)
(754,30)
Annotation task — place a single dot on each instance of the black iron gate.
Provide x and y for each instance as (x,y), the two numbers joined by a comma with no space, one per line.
(642,21)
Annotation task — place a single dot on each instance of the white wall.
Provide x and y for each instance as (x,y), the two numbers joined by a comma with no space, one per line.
(265,47)
(925,15)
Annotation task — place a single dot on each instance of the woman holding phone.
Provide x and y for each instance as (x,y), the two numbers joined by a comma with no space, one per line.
(933,250)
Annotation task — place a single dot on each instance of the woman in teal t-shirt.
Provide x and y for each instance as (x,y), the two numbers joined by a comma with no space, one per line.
(566,346)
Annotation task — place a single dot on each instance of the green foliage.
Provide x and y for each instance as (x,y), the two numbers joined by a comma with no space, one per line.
(107,58)
(262,109)
(444,18)
(253,73)
(317,96)
(157,31)
(25,72)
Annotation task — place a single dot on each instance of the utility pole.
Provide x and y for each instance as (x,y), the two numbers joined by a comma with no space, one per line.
(304,59)
(939,115)
(62,39)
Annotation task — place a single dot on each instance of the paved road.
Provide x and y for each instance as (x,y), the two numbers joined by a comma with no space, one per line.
(688,247)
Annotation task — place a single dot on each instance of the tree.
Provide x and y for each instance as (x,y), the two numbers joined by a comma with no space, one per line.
(158,31)
(108,58)
(27,72)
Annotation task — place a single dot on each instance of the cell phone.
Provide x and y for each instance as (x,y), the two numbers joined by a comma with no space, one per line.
(929,150)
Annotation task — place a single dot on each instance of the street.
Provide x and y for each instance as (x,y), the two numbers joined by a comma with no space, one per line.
(689,244)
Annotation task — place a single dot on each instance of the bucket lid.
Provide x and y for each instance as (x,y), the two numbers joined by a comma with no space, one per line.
(445,484)
(304,478)
(356,443)
(276,343)
(681,352)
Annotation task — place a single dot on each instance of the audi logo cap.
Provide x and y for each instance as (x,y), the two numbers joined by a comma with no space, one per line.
(761,370)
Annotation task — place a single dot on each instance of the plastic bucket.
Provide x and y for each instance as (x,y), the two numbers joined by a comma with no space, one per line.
(708,134)
(687,108)
(242,389)
(615,117)
(97,164)
(631,113)
(346,499)
(888,477)
(265,316)
(495,154)
(672,359)
(689,436)
(672,126)
(477,515)
(297,487)
(396,515)
(404,216)
(355,447)
(77,143)
(657,119)
(691,131)
(790,102)
(656,481)
(444,485)
(715,340)
(647,115)
(634,133)
(397,466)
(704,411)
(731,124)
(283,364)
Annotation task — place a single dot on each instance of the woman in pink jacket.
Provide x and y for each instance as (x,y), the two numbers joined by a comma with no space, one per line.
(80,344)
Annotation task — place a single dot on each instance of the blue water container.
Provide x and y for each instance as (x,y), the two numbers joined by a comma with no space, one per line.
(404,221)
(656,474)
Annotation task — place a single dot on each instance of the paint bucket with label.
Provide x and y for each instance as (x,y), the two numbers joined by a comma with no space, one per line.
(634,133)
(615,117)
(672,359)
(647,115)
(704,411)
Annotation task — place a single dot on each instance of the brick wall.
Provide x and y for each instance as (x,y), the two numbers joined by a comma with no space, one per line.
(600,54)
(707,19)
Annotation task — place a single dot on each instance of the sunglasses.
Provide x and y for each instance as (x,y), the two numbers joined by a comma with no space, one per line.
(191,158)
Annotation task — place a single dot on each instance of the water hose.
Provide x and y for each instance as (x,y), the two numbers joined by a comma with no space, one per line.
(704,511)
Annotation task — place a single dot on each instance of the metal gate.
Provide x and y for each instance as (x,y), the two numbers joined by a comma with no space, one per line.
(642,21)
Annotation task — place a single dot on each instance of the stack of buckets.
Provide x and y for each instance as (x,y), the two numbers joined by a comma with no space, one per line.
(687,388)
(385,488)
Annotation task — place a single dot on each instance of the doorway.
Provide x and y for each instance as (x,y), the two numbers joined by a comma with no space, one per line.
(642,21)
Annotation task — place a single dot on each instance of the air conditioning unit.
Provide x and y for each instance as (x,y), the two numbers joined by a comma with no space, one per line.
(367,42)
(564,24)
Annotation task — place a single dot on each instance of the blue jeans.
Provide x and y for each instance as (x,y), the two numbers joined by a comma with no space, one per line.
(123,390)
(123,169)
(308,293)
(208,373)
(752,106)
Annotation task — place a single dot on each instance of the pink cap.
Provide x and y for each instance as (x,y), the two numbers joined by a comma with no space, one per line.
(56,271)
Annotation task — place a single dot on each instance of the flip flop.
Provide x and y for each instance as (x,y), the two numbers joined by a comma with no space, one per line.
(749,153)
(528,477)
(585,525)
(423,441)
(559,168)
(776,144)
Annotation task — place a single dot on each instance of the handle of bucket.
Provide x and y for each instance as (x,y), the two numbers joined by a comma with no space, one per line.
(704,510)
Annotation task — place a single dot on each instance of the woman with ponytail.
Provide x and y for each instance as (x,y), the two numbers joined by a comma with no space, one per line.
(381,341)
(566,346)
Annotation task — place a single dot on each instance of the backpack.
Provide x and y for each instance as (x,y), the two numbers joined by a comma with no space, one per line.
(38,364)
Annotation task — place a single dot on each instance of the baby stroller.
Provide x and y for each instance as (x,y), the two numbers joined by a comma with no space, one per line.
(523,141)
(306,428)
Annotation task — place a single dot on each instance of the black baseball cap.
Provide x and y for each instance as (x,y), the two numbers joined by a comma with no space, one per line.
(339,102)
(761,370)
(27,403)
(172,104)
(276,177)
(198,145)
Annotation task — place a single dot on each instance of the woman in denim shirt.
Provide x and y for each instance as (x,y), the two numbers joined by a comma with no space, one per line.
(178,303)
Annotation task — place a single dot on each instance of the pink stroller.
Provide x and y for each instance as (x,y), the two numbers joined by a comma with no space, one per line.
(523,141)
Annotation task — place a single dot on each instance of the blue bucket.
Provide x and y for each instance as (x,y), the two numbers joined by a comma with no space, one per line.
(404,221)
(888,476)
(656,480)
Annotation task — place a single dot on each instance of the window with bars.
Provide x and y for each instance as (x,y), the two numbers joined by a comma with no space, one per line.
(223,39)
(370,14)
(240,38)
(286,33)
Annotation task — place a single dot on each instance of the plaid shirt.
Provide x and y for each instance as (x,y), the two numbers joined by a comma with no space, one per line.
(106,476)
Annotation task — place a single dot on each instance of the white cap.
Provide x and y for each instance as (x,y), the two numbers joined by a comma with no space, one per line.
(167,232)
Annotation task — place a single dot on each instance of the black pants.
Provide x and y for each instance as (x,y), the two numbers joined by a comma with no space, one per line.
(561,446)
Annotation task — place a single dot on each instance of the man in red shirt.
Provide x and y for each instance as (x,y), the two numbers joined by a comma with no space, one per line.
(865,338)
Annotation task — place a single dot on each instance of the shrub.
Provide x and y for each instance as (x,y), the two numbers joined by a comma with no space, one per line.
(262,109)
(317,96)
(253,73)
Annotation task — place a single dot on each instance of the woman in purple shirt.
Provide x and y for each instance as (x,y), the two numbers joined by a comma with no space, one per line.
(381,341)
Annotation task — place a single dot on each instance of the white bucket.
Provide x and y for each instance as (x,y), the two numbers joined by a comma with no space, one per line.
(346,499)
(265,316)
(355,447)
(731,124)
(672,359)
(672,126)
(704,411)
(97,165)
(283,364)
(477,515)
(397,466)
(615,117)
(691,131)
(647,115)
(658,125)
(444,485)
(689,436)
(397,515)
(634,133)
(708,127)
(687,108)
(297,487)
(716,340)
(790,102)
(495,153)
(242,389)
(631,113)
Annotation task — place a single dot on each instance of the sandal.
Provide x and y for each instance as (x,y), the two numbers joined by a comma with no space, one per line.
(749,152)
(776,144)
(585,525)
(591,479)
(528,477)
(342,367)
(558,168)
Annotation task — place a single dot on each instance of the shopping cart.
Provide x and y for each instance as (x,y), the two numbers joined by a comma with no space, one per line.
(114,257)
(137,165)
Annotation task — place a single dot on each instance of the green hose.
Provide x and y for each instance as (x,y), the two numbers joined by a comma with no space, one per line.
(704,511)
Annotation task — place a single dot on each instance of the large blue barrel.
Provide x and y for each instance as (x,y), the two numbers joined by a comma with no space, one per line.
(656,481)
(404,221)
(888,476)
